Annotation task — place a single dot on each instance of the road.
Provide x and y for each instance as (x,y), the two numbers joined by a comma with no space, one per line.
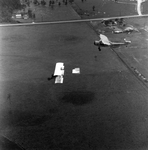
(68,21)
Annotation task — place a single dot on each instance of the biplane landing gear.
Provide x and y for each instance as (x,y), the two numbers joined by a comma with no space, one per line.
(99,48)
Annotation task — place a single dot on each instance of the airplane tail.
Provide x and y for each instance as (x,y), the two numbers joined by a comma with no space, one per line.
(97,43)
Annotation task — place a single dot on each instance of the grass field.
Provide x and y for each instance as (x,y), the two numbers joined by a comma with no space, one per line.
(102,99)
(103,107)
(108,8)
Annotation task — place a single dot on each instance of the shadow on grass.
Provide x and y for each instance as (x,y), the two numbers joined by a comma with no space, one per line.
(78,97)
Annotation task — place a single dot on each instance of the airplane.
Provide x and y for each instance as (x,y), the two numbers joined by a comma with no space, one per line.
(127,30)
(58,73)
(130,29)
(105,42)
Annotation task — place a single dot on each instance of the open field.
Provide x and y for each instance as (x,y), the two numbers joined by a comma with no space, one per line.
(103,107)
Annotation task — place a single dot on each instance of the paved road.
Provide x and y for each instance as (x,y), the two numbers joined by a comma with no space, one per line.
(68,21)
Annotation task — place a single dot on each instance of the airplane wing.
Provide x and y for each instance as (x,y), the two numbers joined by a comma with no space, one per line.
(128,28)
(59,72)
(59,79)
(104,39)
(115,43)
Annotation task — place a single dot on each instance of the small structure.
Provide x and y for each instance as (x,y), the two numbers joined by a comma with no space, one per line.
(18,16)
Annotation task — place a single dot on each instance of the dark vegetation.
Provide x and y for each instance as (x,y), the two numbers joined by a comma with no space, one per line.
(6,9)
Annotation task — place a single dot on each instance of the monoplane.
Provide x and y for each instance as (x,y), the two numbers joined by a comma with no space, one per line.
(127,30)
(105,42)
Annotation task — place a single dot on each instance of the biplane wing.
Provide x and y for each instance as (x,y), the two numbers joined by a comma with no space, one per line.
(59,72)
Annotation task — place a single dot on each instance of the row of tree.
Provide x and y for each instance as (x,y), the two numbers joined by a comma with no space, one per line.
(6,9)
